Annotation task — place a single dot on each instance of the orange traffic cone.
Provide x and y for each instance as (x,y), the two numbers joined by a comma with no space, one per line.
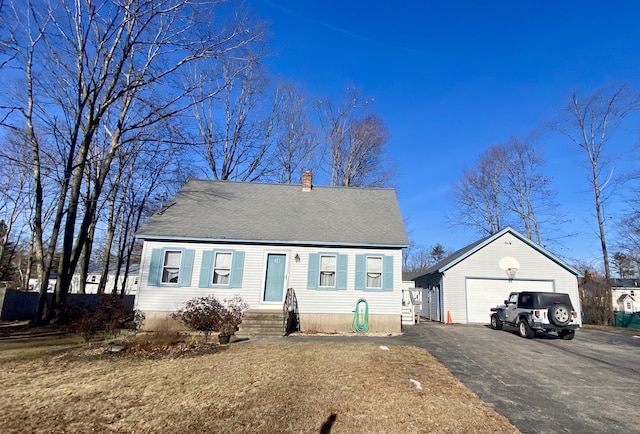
(449,318)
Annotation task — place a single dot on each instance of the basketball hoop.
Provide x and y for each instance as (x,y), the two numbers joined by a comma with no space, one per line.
(511,272)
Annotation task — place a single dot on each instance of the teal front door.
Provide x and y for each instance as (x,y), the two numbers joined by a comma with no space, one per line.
(274,282)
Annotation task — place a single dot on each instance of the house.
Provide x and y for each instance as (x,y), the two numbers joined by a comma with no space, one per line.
(624,293)
(95,274)
(333,246)
(34,284)
(93,279)
(463,287)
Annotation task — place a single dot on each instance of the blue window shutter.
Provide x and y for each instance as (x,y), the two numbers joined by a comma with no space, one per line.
(154,267)
(186,267)
(342,269)
(361,271)
(387,273)
(237,267)
(312,271)
(205,269)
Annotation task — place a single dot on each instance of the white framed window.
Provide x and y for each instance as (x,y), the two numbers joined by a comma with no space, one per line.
(633,293)
(374,272)
(328,270)
(222,268)
(171,266)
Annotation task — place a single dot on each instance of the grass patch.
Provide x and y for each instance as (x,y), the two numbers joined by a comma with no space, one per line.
(248,388)
(36,348)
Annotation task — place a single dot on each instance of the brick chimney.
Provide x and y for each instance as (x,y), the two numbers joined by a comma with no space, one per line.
(306,180)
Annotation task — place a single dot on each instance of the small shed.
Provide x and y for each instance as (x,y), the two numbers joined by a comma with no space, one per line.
(463,287)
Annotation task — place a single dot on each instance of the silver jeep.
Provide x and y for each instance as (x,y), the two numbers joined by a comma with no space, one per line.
(532,311)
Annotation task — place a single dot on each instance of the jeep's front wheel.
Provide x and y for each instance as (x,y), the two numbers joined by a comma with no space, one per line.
(524,329)
(567,335)
(496,324)
(560,314)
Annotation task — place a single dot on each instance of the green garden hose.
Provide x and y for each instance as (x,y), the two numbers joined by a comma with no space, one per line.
(361,327)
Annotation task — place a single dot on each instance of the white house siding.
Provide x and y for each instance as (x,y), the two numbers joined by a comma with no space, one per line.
(624,304)
(91,286)
(310,301)
(534,266)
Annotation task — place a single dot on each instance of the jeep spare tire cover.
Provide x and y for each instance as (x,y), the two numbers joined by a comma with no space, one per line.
(560,314)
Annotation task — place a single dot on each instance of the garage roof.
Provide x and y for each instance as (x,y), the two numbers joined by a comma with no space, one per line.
(469,250)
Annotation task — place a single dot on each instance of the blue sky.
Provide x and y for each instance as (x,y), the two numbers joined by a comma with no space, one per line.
(450,79)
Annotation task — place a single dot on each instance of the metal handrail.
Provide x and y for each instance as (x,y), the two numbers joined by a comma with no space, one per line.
(290,321)
(290,315)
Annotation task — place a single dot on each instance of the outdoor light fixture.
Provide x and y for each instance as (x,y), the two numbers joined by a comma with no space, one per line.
(297,258)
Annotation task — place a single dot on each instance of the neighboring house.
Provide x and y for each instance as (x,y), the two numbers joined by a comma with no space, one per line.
(624,293)
(34,285)
(464,286)
(93,280)
(333,246)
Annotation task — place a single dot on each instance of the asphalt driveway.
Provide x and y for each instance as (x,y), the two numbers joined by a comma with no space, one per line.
(542,385)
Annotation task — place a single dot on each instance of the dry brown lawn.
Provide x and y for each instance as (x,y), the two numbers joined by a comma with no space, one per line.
(65,385)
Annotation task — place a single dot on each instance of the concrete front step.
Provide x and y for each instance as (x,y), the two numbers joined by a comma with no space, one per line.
(261,324)
(269,313)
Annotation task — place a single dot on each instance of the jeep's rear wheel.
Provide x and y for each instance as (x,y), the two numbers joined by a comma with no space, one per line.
(524,329)
(496,324)
(560,314)
(567,335)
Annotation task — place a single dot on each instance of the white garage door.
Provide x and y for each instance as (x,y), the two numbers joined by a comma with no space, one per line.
(483,294)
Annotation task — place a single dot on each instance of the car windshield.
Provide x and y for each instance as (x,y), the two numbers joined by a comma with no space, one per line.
(553,298)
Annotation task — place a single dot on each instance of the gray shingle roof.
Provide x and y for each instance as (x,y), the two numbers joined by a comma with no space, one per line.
(626,283)
(282,214)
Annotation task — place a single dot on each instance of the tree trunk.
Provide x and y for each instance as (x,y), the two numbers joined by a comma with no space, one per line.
(109,240)
(605,253)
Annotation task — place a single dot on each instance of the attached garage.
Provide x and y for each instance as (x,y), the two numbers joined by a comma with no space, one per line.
(480,276)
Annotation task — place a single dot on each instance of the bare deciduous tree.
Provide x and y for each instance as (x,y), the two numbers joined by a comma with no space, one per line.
(415,258)
(589,122)
(506,188)
(630,242)
(527,191)
(14,202)
(92,65)
(354,139)
(477,195)
(624,265)
(236,123)
(418,258)
(596,297)
(296,141)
